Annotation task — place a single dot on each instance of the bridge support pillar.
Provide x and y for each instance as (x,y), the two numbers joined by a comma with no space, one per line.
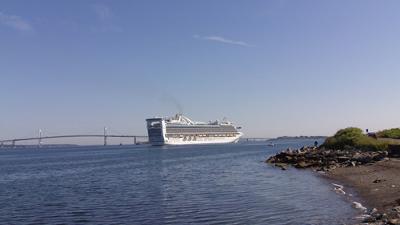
(134,140)
(13,144)
(40,139)
(105,136)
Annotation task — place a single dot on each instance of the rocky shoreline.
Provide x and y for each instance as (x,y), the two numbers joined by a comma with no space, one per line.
(324,159)
(355,168)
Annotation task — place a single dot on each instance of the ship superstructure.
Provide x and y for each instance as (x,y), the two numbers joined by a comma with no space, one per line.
(180,130)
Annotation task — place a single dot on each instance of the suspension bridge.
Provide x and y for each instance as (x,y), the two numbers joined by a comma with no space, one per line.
(40,138)
(105,136)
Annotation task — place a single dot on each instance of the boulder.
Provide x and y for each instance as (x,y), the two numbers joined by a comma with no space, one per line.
(377,180)
(302,164)
(394,221)
(283,166)
(343,158)
(396,209)
(394,151)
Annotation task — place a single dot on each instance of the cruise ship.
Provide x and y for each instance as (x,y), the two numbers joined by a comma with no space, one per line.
(180,130)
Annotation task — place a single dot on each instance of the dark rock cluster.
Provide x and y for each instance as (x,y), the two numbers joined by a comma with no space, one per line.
(324,159)
(376,218)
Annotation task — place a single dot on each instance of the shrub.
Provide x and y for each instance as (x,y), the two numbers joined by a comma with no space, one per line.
(389,133)
(353,138)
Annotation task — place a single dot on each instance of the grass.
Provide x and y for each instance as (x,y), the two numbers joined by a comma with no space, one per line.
(353,138)
(389,133)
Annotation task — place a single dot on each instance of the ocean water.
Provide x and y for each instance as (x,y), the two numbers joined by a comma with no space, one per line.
(215,184)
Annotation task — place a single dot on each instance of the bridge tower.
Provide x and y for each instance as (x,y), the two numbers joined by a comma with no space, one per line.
(105,136)
(40,138)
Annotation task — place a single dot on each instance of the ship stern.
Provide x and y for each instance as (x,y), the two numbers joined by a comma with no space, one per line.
(156,131)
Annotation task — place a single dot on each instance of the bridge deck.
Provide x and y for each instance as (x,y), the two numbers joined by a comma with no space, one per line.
(72,136)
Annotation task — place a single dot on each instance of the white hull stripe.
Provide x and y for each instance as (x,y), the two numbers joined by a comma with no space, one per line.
(201,140)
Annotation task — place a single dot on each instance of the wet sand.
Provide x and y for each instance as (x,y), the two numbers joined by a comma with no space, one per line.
(378,184)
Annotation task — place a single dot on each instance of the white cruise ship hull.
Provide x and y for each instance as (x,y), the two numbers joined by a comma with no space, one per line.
(180,130)
(202,140)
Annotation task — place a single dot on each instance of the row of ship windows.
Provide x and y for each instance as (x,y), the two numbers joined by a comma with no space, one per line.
(219,129)
(201,135)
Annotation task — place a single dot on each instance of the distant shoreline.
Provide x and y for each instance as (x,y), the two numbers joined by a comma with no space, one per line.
(297,137)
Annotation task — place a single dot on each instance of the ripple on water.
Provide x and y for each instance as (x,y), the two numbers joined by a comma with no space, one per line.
(222,184)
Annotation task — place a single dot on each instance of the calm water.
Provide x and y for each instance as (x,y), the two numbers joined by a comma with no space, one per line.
(220,184)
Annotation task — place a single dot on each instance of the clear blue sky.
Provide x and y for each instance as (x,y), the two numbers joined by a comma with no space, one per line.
(273,67)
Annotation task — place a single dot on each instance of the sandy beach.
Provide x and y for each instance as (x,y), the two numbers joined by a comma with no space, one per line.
(378,184)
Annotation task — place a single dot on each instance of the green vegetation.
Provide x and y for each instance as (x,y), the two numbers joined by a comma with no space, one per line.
(389,133)
(350,138)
